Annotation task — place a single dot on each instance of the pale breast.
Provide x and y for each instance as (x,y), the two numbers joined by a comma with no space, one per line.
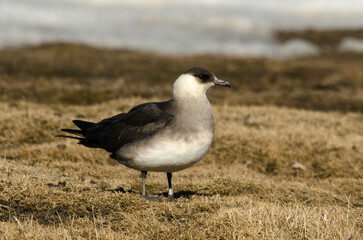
(164,153)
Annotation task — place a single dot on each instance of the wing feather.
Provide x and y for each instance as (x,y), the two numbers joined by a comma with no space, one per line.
(112,133)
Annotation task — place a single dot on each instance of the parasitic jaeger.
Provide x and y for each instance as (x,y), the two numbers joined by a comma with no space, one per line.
(159,136)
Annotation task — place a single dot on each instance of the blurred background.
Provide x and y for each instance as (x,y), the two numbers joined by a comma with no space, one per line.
(296,53)
(266,28)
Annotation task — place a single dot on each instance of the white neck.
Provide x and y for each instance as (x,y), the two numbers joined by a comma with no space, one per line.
(195,113)
(188,86)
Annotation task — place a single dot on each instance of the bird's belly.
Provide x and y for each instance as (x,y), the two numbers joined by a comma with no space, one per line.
(165,154)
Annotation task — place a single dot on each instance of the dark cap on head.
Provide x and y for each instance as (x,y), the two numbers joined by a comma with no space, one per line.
(203,74)
(206,76)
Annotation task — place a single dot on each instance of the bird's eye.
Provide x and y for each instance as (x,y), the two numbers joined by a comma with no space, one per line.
(203,76)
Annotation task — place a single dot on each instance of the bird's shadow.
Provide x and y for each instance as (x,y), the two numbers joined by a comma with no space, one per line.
(181,194)
(120,190)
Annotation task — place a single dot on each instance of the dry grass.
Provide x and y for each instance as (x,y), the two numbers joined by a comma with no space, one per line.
(52,188)
(77,74)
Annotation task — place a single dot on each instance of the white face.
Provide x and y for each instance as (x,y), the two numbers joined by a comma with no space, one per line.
(188,85)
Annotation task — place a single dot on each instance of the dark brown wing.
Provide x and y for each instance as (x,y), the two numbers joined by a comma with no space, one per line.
(112,133)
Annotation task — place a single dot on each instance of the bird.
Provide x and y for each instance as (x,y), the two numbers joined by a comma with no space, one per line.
(166,136)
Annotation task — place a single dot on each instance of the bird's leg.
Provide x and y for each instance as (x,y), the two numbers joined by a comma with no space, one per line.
(170,192)
(143,176)
(151,199)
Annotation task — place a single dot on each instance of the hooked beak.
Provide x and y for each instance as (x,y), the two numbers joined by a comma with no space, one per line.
(222,83)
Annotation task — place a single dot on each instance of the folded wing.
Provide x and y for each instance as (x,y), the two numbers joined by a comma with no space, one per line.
(112,133)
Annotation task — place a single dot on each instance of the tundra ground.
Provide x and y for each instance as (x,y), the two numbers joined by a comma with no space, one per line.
(278,113)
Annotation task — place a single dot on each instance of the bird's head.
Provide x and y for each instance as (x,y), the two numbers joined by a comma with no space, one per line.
(196,81)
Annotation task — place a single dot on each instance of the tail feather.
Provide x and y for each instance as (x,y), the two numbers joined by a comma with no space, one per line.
(83,125)
(67,136)
(73,131)
(83,140)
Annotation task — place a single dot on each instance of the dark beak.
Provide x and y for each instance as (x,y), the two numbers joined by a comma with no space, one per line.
(222,83)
